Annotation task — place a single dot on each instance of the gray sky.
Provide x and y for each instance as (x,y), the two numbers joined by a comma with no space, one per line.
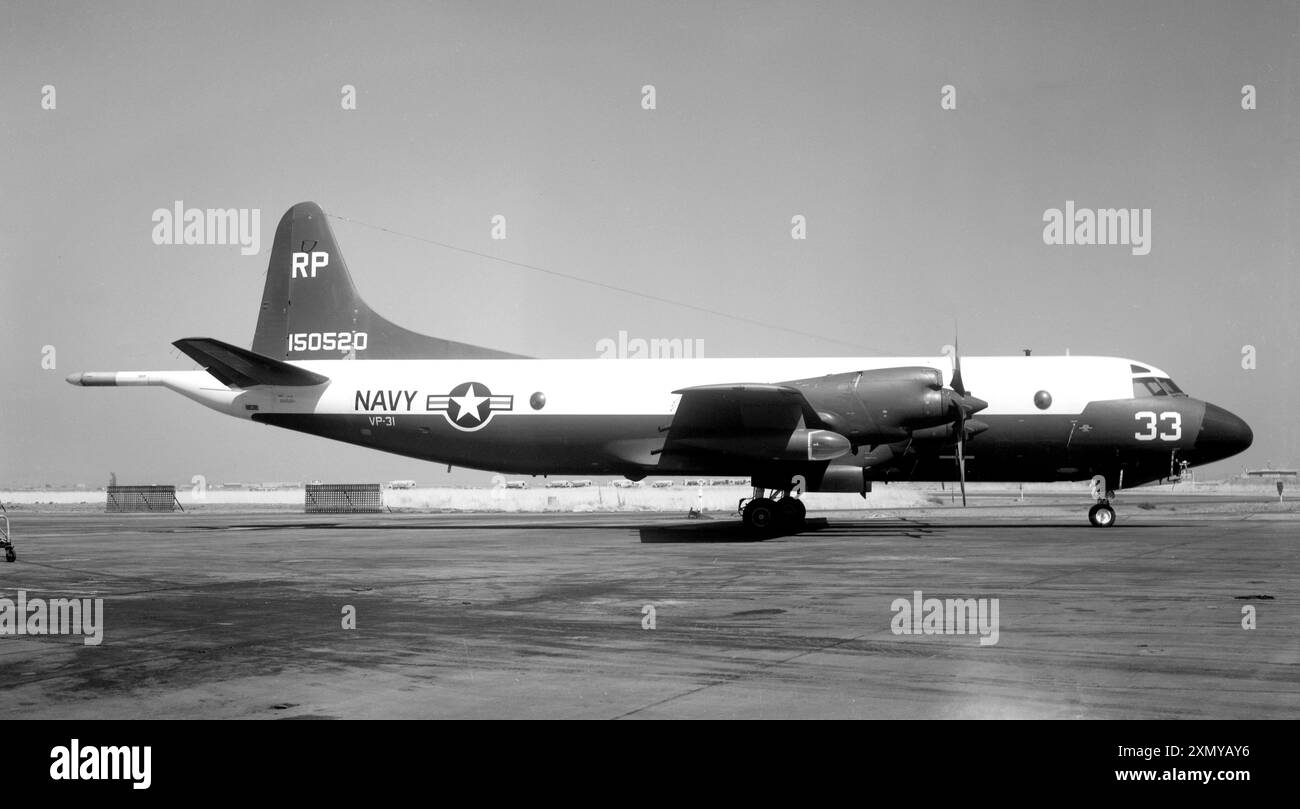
(917,217)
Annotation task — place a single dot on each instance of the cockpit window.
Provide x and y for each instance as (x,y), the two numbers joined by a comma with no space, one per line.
(1151,386)
(1147,386)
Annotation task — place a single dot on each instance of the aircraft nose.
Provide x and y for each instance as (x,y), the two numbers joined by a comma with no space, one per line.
(1222,433)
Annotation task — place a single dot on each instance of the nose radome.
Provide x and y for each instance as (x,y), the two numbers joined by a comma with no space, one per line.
(1223,433)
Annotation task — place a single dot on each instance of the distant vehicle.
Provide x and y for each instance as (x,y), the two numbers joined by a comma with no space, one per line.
(623,483)
(559,484)
(401,484)
(581,484)
(661,484)
(516,484)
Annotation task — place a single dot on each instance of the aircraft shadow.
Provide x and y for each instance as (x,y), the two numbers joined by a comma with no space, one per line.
(730,531)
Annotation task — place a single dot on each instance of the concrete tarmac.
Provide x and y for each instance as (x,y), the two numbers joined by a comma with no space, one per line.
(240,615)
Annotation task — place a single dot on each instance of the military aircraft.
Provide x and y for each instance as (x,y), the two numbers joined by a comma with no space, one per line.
(322,362)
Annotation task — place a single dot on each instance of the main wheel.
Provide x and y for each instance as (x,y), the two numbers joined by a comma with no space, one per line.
(761,514)
(10,556)
(1102,516)
(793,510)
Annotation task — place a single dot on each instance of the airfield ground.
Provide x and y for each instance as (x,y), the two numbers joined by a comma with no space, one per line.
(240,614)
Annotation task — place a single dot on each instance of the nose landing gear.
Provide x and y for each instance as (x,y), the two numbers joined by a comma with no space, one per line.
(1102,515)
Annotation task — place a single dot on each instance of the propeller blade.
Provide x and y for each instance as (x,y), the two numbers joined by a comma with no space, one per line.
(961,462)
(957,384)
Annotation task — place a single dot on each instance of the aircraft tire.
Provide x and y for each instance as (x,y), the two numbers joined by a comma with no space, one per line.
(762,515)
(1102,516)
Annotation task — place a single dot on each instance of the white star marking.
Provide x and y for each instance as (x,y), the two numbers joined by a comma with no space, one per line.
(468,403)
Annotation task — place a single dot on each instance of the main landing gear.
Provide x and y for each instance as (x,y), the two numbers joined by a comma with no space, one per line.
(768,514)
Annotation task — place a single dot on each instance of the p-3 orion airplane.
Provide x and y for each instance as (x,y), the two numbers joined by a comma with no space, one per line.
(322,362)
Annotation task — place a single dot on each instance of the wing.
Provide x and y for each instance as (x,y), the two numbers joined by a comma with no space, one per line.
(751,422)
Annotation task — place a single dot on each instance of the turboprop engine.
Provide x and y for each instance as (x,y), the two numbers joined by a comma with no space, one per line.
(886,405)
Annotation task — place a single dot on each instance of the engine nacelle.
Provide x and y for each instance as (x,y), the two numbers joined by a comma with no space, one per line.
(947,433)
(883,405)
(841,478)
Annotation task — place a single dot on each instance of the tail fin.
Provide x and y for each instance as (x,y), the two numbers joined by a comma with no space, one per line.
(311,310)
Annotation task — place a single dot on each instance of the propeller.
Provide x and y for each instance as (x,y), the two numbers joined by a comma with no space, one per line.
(963,405)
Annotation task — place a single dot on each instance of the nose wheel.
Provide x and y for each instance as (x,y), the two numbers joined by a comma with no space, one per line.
(1102,515)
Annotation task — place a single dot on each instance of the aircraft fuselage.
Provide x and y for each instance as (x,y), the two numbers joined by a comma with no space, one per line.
(1048,418)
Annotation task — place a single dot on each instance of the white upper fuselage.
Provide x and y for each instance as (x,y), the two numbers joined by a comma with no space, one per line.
(645,386)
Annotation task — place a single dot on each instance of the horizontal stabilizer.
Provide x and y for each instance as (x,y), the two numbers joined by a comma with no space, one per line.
(238,367)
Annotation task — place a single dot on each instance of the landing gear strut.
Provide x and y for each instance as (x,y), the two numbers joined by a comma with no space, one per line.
(6,542)
(768,513)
